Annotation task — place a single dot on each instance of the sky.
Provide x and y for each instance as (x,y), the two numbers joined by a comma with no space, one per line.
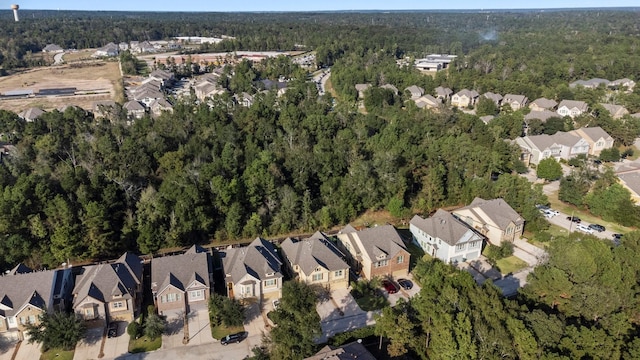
(306,5)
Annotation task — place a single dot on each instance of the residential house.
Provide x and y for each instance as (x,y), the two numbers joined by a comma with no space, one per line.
(443,93)
(596,137)
(393,89)
(110,49)
(631,181)
(624,83)
(245,99)
(145,95)
(616,111)
(414,91)
(26,294)
(361,88)
(158,106)
(496,98)
(31,114)
(316,261)
(542,115)
(253,271)
(206,89)
(123,46)
(375,252)
(572,108)
(134,109)
(516,102)
(590,84)
(52,48)
(110,292)
(542,104)
(181,283)
(428,101)
(494,219)
(445,237)
(487,118)
(464,98)
(434,62)
(350,351)
(151,83)
(164,76)
(561,145)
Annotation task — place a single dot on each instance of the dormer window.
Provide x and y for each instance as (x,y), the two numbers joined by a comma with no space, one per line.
(270,273)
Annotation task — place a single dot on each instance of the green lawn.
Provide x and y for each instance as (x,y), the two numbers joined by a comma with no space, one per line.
(510,264)
(372,302)
(57,354)
(144,344)
(218,332)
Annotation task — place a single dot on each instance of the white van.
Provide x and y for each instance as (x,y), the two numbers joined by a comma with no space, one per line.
(584,228)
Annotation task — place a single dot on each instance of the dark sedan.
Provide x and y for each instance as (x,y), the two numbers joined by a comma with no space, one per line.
(405,284)
(234,338)
(112,330)
(597,227)
(575,219)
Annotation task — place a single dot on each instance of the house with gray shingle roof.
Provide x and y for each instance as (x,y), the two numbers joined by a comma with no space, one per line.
(572,108)
(626,83)
(316,261)
(390,87)
(159,106)
(414,91)
(26,294)
(443,93)
(561,145)
(181,283)
(134,109)
(428,101)
(361,88)
(597,138)
(31,114)
(375,252)
(52,48)
(515,101)
(631,181)
(445,237)
(543,115)
(542,104)
(496,98)
(253,271)
(616,111)
(110,292)
(464,98)
(590,84)
(494,219)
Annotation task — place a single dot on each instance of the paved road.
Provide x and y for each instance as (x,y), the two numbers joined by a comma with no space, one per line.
(561,220)
(320,79)
(57,58)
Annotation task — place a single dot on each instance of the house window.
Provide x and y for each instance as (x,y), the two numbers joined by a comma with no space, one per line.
(270,283)
(171,297)
(381,263)
(32,319)
(460,247)
(196,295)
(338,274)
(317,277)
(400,259)
(473,244)
(88,312)
(246,290)
(23,320)
(118,305)
(12,321)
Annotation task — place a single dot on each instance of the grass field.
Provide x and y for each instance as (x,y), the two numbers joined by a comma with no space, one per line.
(57,354)
(510,264)
(218,332)
(144,344)
(100,79)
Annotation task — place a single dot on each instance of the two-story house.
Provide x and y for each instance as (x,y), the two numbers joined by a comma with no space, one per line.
(616,111)
(316,261)
(597,139)
(494,219)
(464,98)
(537,148)
(542,104)
(180,283)
(515,101)
(27,294)
(496,98)
(253,271)
(443,93)
(110,292)
(572,108)
(414,91)
(375,252)
(445,237)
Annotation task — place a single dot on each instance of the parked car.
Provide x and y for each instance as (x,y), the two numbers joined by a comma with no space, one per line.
(575,219)
(112,329)
(389,286)
(584,228)
(405,283)
(617,236)
(597,227)
(234,338)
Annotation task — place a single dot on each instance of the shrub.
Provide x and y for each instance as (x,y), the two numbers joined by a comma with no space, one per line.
(133,329)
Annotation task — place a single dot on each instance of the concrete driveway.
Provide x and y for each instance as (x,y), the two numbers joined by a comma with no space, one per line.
(173,331)
(28,351)
(89,347)
(119,345)
(7,347)
(341,313)
(199,328)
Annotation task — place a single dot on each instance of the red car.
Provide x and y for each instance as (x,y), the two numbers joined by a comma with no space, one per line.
(389,286)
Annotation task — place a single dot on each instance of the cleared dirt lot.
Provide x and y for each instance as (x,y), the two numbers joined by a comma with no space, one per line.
(99,80)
